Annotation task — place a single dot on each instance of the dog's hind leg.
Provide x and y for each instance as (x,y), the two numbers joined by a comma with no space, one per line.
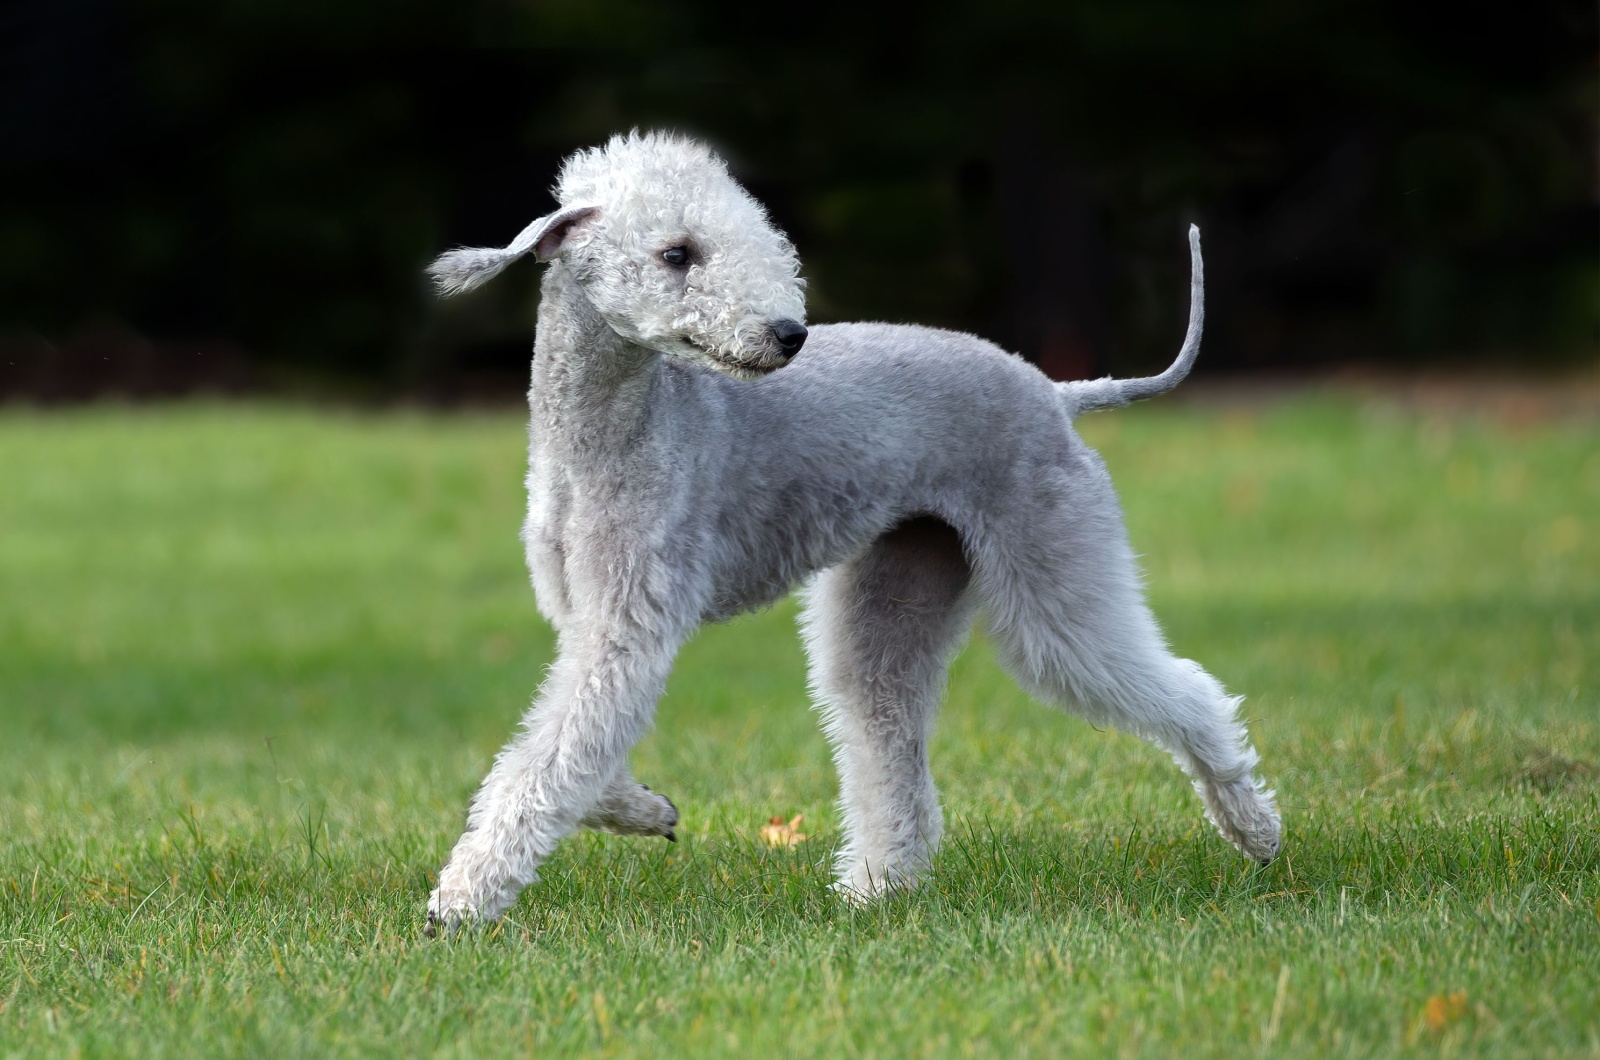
(1067,613)
(880,631)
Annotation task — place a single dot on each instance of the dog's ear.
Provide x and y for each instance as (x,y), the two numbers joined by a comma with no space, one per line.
(555,231)
(469,267)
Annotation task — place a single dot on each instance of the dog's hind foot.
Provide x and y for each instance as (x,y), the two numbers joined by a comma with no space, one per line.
(861,881)
(1246,815)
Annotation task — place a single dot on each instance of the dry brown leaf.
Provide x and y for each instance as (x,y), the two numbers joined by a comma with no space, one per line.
(780,833)
(1442,1010)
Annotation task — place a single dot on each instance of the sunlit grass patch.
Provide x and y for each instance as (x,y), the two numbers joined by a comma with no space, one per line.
(253,662)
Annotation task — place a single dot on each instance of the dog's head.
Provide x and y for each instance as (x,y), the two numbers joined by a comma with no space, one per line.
(669,250)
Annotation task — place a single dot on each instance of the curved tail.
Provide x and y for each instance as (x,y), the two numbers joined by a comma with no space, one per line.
(1088,395)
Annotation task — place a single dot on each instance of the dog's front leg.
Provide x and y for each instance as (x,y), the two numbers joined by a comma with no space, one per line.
(597,701)
(627,807)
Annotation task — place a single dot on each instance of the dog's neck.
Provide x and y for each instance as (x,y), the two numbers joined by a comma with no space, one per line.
(590,386)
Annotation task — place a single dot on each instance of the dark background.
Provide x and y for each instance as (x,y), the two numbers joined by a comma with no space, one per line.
(240,195)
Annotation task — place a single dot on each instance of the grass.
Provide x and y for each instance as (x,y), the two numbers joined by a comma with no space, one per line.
(253,661)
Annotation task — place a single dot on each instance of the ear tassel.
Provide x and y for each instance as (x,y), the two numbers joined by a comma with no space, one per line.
(456,271)
(462,270)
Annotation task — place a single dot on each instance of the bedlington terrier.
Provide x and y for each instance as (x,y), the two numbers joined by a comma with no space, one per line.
(695,451)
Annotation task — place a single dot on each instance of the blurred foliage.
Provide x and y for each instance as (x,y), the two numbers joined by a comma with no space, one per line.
(260,181)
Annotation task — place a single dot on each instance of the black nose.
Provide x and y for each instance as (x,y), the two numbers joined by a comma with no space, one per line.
(791,335)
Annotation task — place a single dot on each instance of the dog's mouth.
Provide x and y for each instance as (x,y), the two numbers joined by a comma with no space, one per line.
(745,370)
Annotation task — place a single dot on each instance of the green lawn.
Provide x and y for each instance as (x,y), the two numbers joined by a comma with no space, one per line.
(253,661)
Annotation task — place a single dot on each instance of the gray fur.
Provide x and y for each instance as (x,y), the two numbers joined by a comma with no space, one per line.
(916,476)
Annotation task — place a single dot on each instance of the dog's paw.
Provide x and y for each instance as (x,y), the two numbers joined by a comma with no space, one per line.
(446,917)
(860,883)
(639,812)
(855,894)
(671,819)
(472,892)
(1246,814)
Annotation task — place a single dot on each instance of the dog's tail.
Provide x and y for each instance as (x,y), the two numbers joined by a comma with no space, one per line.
(1090,394)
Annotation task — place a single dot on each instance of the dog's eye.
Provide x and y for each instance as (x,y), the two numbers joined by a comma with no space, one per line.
(677,257)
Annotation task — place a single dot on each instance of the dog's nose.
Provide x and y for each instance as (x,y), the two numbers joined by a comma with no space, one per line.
(791,335)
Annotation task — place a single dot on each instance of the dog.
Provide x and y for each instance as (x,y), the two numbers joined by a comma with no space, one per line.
(695,451)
